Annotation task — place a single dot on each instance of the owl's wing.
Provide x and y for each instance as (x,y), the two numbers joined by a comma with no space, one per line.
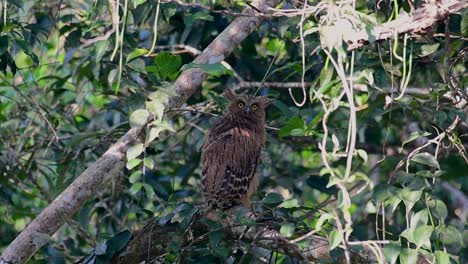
(229,163)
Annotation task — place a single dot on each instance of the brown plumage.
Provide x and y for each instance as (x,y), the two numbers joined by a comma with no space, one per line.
(231,152)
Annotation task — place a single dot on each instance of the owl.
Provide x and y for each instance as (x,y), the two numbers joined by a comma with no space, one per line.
(231,152)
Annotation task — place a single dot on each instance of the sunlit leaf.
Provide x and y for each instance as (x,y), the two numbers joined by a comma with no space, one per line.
(149,162)
(133,163)
(136,53)
(427,49)
(426,159)
(136,176)
(408,255)
(335,238)
(135,151)
(291,203)
(139,118)
(167,65)
(441,257)
(156,108)
(215,69)
(362,153)
(391,251)
(414,136)
(287,230)
(323,217)
(136,187)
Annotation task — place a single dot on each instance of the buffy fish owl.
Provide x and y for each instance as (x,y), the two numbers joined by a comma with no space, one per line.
(231,152)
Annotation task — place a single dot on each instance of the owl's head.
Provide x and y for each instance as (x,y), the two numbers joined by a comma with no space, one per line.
(247,106)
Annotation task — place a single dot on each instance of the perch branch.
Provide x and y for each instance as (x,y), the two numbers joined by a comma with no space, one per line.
(39,231)
(155,243)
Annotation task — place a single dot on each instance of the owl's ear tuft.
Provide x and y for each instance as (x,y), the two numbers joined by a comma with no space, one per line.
(230,95)
(266,101)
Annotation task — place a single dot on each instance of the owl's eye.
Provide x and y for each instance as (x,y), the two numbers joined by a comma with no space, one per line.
(240,105)
(254,107)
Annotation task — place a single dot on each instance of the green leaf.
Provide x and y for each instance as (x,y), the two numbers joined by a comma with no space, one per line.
(137,65)
(184,215)
(410,197)
(136,176)
(414,136)
(293,123)
(323,217)
(136,3)
(215,237)
(449,235)
(139,118)
(112,77)
(136,187)
(283,108)
(157,129)
(136,53)
(420,218)
(291,203)
(363,154)
(429,174)
(383,191)
(464,23)
(419,236)
(408,256)
(162,95)
(391,251)
(149,162)
(273,199)
(426,159)
(165,219)
(190,18)
(441,257)
(153,134)
(149,191)
(326,75)
(335,238)
(287,230)
(438,209)
(317,118)
(135,151)
(427,49)
(215,69)
(167,65)
(118,243)
(100,48)
(3,44)
(156,108)
(133,163)
(182,207)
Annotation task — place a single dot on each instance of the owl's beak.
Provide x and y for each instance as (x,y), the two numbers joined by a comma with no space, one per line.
(247,110)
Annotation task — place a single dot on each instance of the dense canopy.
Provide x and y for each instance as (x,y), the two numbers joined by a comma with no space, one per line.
(104,106)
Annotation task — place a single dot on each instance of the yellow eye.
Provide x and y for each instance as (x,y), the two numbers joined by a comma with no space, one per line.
(240,105)
(254,107)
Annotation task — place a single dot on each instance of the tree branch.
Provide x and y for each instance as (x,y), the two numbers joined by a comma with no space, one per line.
(413,24)
(39,231)
(153,240)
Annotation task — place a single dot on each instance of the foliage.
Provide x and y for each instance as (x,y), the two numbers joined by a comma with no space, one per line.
(66,95)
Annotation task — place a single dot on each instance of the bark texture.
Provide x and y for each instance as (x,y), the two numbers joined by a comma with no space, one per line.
(421,21)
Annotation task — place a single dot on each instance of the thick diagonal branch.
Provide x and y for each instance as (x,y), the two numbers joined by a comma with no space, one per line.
(38,232)
(416,23)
